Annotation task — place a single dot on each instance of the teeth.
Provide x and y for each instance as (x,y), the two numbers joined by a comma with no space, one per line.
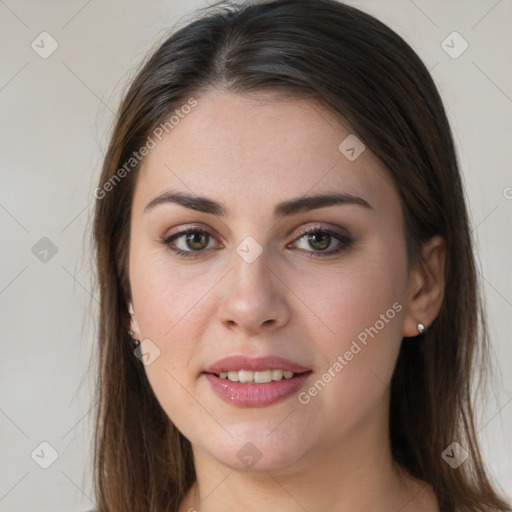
(263,377)
(245,376)
(277,374)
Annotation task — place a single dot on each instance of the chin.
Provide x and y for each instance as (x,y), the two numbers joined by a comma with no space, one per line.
(253,449)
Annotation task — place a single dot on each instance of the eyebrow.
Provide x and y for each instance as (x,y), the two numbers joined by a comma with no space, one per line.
(286,208)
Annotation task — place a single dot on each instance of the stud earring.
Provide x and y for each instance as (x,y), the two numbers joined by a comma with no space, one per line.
(421,328)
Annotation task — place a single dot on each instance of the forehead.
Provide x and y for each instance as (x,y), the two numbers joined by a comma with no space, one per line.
(243,150)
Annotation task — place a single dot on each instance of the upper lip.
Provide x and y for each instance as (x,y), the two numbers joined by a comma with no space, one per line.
(255,364)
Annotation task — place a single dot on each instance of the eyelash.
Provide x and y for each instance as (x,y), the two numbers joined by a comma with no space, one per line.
(345,240)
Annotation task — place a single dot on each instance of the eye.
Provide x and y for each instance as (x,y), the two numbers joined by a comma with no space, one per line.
(320,239)
(194,240)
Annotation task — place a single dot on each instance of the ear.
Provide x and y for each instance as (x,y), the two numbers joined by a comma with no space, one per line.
(426,287)
(134,326)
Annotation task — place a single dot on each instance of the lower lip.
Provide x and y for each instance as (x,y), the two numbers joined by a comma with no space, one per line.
(256,395)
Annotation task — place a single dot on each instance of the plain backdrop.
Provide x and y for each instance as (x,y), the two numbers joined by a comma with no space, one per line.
(56,115)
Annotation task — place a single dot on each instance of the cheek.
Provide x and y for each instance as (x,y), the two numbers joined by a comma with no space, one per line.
(170,301)
(355,295)
(363,305)
(166,294)
(167,304)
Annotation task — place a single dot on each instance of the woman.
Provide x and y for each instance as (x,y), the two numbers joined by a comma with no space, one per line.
(289,308)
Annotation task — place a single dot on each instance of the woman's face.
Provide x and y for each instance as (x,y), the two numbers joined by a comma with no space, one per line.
(257,285)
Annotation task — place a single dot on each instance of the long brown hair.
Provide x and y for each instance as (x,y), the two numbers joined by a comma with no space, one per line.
(366,74)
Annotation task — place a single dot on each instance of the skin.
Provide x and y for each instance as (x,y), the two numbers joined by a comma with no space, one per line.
(250,153)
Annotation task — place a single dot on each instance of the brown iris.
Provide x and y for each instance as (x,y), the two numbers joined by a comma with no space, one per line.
(314,237)
(195,240)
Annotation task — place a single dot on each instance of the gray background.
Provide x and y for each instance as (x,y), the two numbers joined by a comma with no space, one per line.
(56,116)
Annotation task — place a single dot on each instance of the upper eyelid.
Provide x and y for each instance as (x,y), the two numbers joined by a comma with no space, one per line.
(182,231)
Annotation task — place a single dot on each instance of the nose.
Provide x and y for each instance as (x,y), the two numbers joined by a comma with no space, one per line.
(253,297)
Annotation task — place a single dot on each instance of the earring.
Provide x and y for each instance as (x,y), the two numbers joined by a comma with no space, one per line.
(421,328)
(135,343)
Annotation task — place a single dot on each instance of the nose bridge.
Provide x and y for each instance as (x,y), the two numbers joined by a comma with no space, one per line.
(252,266)
(250,297)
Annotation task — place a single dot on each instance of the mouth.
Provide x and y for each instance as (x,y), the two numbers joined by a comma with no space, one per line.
(255,382)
